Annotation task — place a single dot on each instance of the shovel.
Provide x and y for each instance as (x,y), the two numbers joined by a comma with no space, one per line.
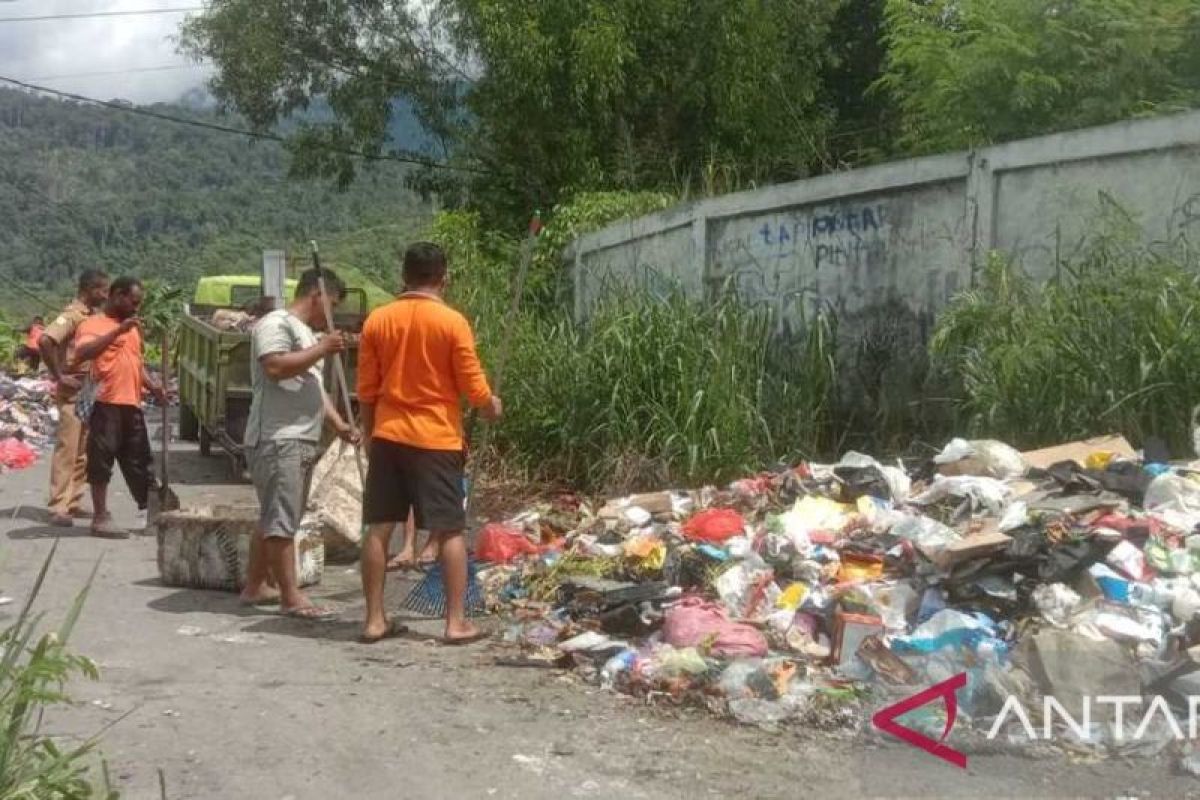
(167,499)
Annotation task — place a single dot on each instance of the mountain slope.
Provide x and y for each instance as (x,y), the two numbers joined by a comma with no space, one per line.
(83,186)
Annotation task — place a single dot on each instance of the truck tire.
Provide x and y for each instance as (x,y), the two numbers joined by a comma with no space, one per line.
(189,426)
(205,442)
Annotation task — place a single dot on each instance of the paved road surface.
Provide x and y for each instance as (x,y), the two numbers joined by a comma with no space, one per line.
(235,703)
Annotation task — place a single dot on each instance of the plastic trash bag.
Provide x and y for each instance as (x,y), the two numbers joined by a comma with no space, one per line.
(865,476)
(985,458)
(1175,500)
(714,525)
(809,515)
(947,628)
(500,545)
(15,454)
(672,661)
(695,622)
(984,493)
(926,533)
(1056,602)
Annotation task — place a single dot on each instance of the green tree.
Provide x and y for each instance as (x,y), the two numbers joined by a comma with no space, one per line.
(967,72)
(541,98)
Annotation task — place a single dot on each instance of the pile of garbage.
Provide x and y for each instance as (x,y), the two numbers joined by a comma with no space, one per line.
(28,418)
(823,592)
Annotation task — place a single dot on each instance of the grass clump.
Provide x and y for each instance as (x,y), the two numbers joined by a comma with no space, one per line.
(1110,345)
(34,669)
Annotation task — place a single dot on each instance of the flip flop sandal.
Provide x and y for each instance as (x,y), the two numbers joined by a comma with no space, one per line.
(459,641)
(108,530)
(394,630)
(311,614)
(403,565)
(262,601)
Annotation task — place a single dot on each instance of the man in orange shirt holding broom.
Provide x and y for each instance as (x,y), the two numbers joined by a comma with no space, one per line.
(416,359)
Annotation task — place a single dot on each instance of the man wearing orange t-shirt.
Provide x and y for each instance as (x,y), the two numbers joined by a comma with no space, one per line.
(416,360)
(112,341)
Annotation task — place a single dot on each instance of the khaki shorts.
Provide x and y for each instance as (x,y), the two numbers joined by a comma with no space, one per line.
(281,471)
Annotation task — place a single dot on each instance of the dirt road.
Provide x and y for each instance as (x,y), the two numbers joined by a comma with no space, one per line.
(236,703)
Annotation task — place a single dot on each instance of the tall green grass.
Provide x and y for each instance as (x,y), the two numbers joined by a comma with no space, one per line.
(34,669)
(651,393)
(1112,344)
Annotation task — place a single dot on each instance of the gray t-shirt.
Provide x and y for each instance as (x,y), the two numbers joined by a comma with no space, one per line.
(288,409)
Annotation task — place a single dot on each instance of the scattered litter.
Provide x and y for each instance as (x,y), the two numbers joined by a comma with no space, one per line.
(818,594)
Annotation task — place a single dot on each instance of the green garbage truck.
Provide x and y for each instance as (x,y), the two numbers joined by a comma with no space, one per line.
(213,354)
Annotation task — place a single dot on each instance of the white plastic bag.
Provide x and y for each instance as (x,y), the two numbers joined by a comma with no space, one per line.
(986,492)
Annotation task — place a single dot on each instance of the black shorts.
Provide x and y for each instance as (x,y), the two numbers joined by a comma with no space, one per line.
(117,433)
(427,482)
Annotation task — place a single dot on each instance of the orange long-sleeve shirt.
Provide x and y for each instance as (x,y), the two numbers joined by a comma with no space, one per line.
(416,359)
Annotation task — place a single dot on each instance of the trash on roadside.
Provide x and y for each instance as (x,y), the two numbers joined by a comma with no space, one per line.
(788,598)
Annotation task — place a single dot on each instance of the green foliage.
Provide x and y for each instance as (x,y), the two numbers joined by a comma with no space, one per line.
(1110,346)
(652,393)
(584,95)
(11,338)
(583,213)
(34,670)
(541,98)
(966,72)
(82,186)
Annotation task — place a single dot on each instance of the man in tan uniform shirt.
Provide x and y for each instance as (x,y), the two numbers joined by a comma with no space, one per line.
(57,344)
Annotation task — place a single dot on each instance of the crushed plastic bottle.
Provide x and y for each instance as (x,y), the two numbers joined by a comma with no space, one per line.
(620,663)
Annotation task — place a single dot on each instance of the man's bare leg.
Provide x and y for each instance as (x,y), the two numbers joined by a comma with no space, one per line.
(453,546)
(281,560)
(102,521)
(374,575)
(259,578)
(405,558)
(430,552)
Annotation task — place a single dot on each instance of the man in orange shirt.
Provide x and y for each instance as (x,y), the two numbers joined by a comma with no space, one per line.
(112,341)
(416,359)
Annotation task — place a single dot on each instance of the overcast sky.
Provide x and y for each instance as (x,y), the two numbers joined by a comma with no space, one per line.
(70,54)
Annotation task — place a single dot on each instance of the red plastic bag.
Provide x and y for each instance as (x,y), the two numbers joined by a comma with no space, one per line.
(715,525)
(500,545)
(15,454)
(695,622)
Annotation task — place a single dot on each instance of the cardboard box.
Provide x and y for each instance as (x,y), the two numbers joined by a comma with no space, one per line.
(1078,451)
(976,545)
(849,632)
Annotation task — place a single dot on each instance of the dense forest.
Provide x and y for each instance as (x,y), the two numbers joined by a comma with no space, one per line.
(82,185)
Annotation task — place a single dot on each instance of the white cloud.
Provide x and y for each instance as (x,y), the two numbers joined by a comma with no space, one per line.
(92,56)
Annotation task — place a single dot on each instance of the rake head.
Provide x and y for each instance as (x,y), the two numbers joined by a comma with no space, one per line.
(428,597)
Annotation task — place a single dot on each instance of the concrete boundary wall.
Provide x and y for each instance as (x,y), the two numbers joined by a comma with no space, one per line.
(905,236)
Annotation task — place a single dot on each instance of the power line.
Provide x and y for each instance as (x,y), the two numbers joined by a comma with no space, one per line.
(129,71)
(95,14)
(213,126)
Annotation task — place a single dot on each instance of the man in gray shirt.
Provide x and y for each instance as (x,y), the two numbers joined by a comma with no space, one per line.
(283,431)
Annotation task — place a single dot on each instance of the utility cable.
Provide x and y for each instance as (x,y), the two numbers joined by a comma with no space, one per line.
(213,126)
(97,14)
